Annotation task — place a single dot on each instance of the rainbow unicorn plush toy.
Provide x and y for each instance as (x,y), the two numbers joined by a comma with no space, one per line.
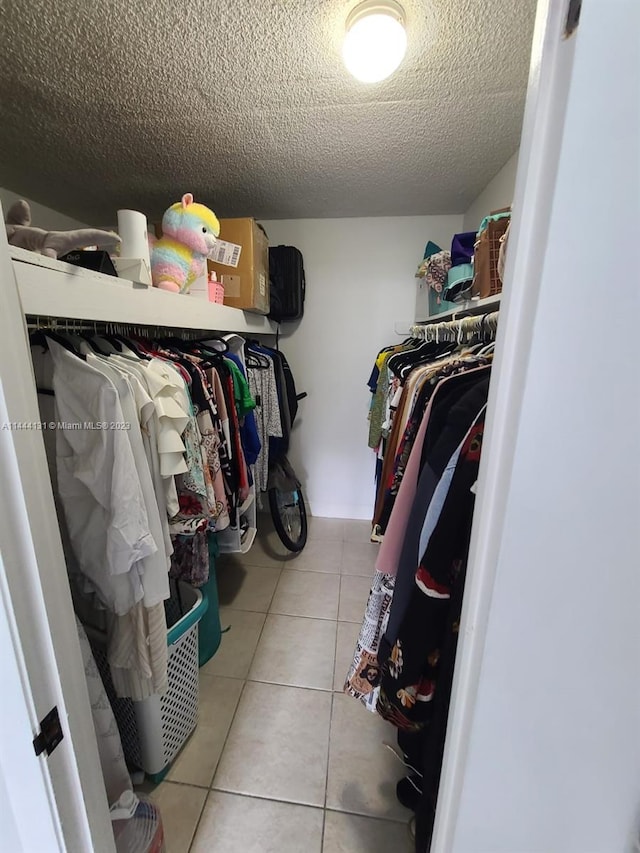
(179,257)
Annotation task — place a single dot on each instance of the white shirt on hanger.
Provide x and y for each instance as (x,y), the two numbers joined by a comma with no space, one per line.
(169,395)
(154,568)
(98,483)
(149,426)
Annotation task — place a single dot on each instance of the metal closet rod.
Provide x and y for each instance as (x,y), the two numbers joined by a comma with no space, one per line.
(67,324)
(462,330)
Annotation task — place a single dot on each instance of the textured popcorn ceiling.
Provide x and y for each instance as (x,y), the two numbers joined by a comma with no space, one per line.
(130,103)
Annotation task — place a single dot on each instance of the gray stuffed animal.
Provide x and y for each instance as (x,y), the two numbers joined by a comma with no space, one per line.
(21,233)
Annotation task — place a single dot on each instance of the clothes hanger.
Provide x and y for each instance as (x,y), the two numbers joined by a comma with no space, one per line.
(93,343)
(214,351)
(174,344)
(40,336)
(224,346)
(209,357)
(260,345)
(486,332)
(132,346)
(213,346)
(400,359)
(256,361)
(115,344)
(442,350)
(125,349)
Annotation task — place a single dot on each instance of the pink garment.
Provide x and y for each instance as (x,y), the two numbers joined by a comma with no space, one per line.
(389,553)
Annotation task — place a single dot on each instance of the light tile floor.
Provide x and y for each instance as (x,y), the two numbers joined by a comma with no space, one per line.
(282,759)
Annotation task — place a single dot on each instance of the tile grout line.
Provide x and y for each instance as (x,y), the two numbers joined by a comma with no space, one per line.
(215,770)
(266,799)
(244,684)
(293,686)
(283,567)
(245,681)
(299,616)
(296,615)
(324,823)
(335,652)
(302,805)
(369,816)
(326,775)
(208,788)
(197,826)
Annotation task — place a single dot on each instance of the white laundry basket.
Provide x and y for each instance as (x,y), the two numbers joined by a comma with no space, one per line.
(154,730)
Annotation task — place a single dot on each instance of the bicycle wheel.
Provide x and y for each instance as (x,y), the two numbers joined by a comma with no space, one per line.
(289,517)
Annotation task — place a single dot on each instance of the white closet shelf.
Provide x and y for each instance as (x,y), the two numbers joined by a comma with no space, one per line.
(52,288)
(469,307)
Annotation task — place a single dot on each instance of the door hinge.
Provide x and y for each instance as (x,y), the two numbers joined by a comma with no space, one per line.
(573,17)
(50,733)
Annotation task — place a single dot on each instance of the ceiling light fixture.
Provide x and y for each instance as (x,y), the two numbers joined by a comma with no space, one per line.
(375,41)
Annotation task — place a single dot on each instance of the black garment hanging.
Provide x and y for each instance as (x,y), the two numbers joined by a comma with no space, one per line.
(407,357)
(286,399)
(442,407)
(456,410)
(432,628)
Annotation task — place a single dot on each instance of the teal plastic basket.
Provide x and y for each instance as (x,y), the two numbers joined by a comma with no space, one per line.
(154,730)
(210,630)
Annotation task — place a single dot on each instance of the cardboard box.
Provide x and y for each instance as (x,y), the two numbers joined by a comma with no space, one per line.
(245,276)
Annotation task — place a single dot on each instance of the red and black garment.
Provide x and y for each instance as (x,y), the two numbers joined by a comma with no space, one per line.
(412,673)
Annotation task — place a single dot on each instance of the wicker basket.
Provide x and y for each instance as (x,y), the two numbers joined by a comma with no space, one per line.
(154,730)
(486,281)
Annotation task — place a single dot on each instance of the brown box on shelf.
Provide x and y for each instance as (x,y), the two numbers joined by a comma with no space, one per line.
(245,275)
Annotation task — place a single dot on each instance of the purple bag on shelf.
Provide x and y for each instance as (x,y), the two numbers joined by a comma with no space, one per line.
(462,248)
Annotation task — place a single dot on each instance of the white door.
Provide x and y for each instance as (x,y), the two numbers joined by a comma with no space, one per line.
(28,793)
(542,748)
(56,802)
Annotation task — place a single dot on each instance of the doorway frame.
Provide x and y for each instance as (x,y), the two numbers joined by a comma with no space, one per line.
(40,599)
(543,127)
(37,601)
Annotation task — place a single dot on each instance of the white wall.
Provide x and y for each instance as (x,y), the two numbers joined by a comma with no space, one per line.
(498,193)
(360,282)
(554,755)
(41,216)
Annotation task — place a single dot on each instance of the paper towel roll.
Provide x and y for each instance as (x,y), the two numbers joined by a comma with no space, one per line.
(132,227)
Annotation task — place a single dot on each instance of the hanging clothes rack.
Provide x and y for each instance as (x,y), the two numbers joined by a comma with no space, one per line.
(462,330)
(98,327)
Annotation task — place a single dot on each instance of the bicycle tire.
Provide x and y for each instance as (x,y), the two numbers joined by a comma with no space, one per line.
(281,525)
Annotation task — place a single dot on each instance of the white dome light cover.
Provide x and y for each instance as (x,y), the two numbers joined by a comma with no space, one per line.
(376,40)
